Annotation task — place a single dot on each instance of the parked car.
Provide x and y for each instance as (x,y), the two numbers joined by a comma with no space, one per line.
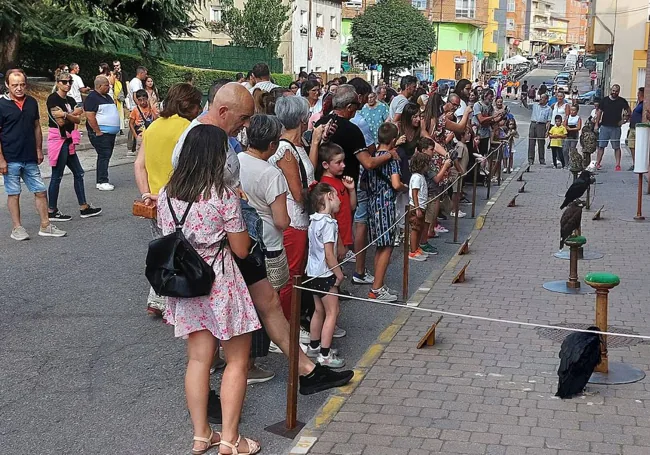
(587,97)
(564,74)
(445,86)
(563,83)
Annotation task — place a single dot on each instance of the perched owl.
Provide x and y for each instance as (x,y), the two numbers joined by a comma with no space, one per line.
(575,160)
(588,140)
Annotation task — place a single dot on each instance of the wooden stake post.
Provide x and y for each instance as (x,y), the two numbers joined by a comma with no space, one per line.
(407,250)
(476,165)
(601,322)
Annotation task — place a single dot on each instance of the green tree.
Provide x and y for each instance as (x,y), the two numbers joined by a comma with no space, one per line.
(96,23)
(394,34)
(260,24)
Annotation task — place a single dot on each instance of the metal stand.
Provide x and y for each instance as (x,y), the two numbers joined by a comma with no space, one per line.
(618,373)
(582,255)
(572,286)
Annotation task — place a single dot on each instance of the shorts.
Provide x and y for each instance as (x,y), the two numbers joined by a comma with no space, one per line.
(29,172)
(611,134)
(361,213)
(323,284)
(456,185)
(252,267)
(429,213)
(484,146)
(416,223)
(631,138)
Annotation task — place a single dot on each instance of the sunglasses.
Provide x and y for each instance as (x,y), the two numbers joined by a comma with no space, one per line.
(66,82)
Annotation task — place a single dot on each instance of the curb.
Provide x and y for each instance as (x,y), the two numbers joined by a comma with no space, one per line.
(305,440)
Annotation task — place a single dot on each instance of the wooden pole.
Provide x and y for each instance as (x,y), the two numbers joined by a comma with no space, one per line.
(474,190)
(639,200)
(294,340)
(407,248)
(588,207)
(601,322)
(573,282)
(489,177)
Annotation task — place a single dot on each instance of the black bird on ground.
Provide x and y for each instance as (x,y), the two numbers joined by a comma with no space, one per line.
(579,355)
(570,220)
(578,188)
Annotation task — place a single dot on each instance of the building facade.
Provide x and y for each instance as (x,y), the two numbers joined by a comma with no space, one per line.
(618,33)
(515,26)
(538,22)
(576,13)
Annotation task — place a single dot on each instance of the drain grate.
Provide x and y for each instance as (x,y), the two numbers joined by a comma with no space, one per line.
(612,342)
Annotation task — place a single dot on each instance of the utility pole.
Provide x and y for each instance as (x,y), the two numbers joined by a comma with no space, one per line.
(310,53)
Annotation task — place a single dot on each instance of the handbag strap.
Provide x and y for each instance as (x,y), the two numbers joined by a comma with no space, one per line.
(301,166)
(179,224)
(144,119)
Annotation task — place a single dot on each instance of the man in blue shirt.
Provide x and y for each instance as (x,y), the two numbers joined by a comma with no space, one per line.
(540,122)
(637,115)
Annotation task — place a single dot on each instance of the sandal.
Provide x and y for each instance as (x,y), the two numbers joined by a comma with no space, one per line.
(253,447)
(207,441)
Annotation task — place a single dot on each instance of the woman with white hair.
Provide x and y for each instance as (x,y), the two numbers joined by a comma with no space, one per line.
(293,161)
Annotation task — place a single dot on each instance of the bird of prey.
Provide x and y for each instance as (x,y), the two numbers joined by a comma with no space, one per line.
(578,187)
(588,140)
(570,221)
(579,355)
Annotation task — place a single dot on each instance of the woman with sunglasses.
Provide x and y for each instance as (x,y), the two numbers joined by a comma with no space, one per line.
(62,137)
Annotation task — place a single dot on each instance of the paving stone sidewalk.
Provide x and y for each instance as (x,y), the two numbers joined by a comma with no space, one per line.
(488,388)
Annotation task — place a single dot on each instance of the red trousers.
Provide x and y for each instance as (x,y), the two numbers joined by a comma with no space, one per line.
(295,244)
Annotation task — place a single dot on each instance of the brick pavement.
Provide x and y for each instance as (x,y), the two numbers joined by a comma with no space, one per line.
(487,388)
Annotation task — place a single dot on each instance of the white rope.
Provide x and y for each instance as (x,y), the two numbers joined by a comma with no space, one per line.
(480,318)
(460,176)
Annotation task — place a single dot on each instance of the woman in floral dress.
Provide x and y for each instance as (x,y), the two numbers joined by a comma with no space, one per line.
(227,313)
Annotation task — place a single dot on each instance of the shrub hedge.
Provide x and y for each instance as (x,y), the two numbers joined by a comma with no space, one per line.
(41,56)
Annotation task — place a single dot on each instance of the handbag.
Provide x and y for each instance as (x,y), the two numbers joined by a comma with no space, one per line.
(277,269)
(145,120)
(144,210)
(173,266)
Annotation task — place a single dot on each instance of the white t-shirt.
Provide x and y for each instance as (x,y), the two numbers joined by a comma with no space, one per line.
(75,88)
(420,183)
(267,86)
(134,86)
(297,212)
(263,183)
(461,110)
(231,171)
(397,106)
(322,229)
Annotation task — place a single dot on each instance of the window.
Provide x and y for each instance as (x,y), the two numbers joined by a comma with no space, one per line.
(303,18)
(419,4)
(215,13)
(332,70)
(510,24)
(511,6)
(319,69)
(466,8)
(333,22)
(460,37)
(319,20)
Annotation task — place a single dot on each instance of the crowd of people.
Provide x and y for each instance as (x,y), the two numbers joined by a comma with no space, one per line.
(270,184)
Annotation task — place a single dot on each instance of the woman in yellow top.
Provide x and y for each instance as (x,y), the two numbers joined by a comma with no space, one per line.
(118,96)
(153,166)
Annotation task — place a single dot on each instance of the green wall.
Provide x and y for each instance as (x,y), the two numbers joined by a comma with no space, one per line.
(472,39)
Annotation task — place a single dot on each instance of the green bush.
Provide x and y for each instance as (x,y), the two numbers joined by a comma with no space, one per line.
(41,56)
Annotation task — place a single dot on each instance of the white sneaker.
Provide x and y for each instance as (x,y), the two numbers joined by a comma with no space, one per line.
(440,229)
(274,348)
(313,353)
(332,360)
(304,336)
(350,257)
(51,231)
(105,187)
(461,214)
(367,278)
(339,332)
(19,234)
(383,295)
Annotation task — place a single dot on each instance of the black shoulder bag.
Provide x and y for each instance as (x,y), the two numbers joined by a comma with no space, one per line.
(174,268)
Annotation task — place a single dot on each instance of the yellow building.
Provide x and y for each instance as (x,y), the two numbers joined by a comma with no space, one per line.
(639,62)
(557,31)
(489,45)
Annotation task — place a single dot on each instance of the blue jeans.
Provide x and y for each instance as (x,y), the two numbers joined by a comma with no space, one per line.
(29,172)
(72,161)
(103,145)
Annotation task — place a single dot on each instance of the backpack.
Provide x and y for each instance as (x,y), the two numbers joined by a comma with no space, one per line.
(174,268)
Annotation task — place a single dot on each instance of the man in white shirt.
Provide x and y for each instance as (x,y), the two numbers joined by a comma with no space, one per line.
(77,87)
(408,85)
(262,76)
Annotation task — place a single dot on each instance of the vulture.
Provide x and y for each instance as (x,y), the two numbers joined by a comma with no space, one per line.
(570,221)
(579,355)
(578,187)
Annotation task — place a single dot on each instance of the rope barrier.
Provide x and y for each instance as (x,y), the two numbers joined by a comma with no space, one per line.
(398,221)
(480,318)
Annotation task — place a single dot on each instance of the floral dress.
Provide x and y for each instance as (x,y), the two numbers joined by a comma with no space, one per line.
(228,310)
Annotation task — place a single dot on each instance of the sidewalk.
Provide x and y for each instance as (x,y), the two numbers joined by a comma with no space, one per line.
(486,387)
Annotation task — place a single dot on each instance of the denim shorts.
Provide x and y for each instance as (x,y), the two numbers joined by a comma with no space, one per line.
(29,172)
(609,134)
(361,213)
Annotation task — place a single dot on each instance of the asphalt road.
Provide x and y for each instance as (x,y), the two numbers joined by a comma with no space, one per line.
(85,370)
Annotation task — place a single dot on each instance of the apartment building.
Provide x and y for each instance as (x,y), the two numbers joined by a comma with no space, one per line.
(576,13)
(538,22)
(618,33)
(515,26)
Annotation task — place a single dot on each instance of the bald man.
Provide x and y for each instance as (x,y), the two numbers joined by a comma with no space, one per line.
(103,124)
(231,110)
(614,111)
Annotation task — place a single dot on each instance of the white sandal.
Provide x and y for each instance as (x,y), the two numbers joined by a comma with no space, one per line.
(253,446)
(207,441)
